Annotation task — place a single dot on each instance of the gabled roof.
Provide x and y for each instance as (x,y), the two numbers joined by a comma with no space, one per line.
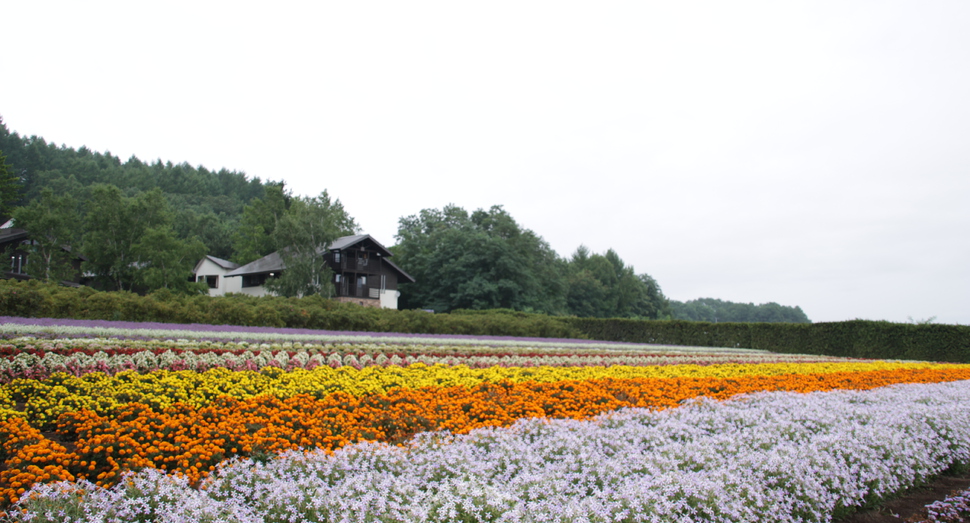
(225,264)
(345,242)
(269,263)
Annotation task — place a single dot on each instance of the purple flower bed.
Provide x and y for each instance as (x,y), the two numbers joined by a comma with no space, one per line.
(198,327)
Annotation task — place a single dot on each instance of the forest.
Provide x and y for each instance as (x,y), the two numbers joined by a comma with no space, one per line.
(141,226)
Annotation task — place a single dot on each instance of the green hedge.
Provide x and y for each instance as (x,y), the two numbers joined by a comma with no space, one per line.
(39,300)
(853,339)
(856,339)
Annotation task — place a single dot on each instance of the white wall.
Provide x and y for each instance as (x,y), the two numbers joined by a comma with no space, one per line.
(225,285)
(389,298)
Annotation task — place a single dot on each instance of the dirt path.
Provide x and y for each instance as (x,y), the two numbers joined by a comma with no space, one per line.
(910,505)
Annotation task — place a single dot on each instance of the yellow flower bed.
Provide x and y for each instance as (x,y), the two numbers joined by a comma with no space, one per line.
(47,399)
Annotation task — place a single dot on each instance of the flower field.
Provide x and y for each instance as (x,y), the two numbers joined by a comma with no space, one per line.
(112,421)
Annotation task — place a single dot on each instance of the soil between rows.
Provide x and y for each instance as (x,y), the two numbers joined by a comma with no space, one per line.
(910,505)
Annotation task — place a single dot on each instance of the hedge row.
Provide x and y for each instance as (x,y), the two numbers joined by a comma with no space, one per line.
(39,300)
(853,339)
(857,339)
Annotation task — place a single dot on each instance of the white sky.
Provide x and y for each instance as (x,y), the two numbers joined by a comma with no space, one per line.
(808,153)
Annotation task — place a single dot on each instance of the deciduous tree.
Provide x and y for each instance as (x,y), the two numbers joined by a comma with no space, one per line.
(480,261)
(117,242)
(52,226)
(255,235)
(302,236)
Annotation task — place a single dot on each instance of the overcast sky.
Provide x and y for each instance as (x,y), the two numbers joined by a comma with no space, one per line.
(806,153)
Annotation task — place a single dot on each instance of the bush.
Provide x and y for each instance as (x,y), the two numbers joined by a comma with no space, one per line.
(855,339)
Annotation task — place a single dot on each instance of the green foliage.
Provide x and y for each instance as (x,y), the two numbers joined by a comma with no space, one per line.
(20,299)
(205,204)
(130,244)
(854,339)
(36,299)
(486,261)
(851,339)
(478,261)
(114,226)
(254,237)
(166,262)
(51,223)
(716,311)
(602,286)
(9,187)
(302,235)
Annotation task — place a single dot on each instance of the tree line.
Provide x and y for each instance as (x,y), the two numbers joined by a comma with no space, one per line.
(485,260)
(141,227)
(717,311)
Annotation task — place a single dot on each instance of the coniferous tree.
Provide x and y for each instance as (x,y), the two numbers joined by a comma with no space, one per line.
(9,188)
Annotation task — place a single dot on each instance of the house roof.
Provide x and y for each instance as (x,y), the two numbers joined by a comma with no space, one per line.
(225,264)
(269,263)
(12,234)
(348,241)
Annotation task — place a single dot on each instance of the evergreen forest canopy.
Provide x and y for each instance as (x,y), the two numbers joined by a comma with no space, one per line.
(143,226)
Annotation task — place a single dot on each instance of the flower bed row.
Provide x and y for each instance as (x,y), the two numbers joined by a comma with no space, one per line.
(42,401)
(201,413)
(779,456)
(193,439)
(61,328)
(39,363)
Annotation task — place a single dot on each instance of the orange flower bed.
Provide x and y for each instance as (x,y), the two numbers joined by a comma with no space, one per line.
(192,441)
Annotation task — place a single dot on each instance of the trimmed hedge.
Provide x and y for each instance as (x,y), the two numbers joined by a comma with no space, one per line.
(40,300)
(854,339)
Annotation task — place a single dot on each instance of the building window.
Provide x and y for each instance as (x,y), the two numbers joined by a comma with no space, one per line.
(211,281)
(18,264)
(255,280)
(336,256)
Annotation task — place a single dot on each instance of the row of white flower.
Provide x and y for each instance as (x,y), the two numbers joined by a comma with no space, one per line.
(271,336)
(24,363)
(781,457)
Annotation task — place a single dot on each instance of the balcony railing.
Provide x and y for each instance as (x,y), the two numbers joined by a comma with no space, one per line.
(357,291)
(360,264)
